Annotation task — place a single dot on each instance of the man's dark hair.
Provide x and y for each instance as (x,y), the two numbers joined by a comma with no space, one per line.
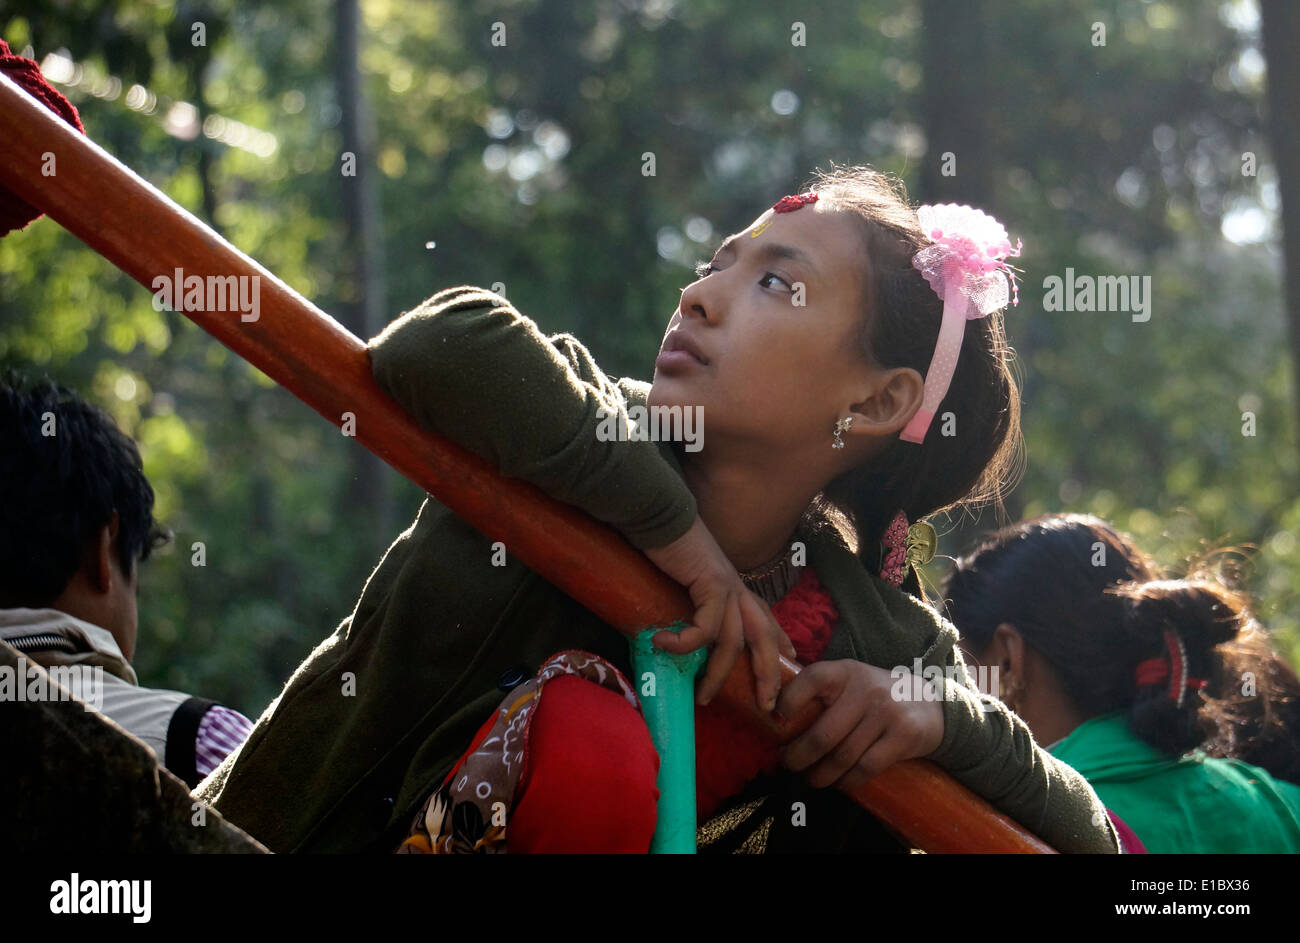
(65,467)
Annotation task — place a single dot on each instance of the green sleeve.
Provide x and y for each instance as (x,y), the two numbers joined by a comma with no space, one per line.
(988,748)
(465,364)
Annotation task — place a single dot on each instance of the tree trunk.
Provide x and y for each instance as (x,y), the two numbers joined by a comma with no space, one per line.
(959,128)
(954,60)
(1280,25)
(368,493)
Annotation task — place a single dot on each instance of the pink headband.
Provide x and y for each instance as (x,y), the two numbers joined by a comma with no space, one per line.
(967,268)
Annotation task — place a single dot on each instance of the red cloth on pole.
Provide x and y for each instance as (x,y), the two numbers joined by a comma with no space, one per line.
(15,212)
(590,768)
(728,752)
(589,780)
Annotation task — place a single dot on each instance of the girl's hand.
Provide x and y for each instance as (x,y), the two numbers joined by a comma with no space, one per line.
(863,729)
(727,615)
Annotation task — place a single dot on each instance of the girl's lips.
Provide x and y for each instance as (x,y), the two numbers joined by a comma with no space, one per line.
(673,359)
(679,340)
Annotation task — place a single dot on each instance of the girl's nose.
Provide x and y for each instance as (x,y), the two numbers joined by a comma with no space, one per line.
(696,302)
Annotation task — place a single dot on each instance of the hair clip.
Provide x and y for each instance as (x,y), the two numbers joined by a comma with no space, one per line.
(912,546)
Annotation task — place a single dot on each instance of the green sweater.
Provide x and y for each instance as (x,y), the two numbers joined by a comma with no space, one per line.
(374,718)
(1191,804)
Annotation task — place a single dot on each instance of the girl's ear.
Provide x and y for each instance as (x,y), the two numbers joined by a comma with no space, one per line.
(894,398)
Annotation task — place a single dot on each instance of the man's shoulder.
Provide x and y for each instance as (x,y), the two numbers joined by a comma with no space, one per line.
(19,623)
(51,637)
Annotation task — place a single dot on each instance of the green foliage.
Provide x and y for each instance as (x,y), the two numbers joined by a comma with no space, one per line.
(523,163)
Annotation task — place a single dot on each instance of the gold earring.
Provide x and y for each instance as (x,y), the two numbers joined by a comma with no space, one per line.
(841,425)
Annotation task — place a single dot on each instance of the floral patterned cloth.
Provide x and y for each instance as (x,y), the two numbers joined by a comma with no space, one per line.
(468,813)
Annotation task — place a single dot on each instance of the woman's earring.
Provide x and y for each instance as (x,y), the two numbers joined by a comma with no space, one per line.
(841,425)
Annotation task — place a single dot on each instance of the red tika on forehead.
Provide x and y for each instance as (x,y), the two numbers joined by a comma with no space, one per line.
(788,204)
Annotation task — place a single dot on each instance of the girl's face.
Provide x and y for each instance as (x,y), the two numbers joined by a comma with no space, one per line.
(771,363)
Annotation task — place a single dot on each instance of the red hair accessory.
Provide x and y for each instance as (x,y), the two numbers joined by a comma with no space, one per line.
(1155,670)
(788,204)
(896,544)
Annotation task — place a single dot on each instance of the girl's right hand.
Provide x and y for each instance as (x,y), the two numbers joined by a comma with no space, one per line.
(727,616)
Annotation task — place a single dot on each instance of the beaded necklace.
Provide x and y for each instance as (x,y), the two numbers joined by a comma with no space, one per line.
(771,581)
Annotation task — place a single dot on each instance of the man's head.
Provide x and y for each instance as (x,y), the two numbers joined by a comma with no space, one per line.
(76,511)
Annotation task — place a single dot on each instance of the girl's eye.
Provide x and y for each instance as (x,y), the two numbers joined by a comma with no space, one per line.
(705,269)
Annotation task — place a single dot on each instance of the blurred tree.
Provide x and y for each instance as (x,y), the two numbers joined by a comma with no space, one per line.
(957,106)
(371,483)
(1281,32)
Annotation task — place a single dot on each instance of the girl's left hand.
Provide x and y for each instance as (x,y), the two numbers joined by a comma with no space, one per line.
(728,617)
(863,729)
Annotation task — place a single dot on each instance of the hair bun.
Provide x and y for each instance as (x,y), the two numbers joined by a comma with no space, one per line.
(1202,612)
(1197,615)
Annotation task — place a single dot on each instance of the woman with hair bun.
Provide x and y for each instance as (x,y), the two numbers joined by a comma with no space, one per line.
(1134,679)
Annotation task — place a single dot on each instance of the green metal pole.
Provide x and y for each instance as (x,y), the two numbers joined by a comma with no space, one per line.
(666,685)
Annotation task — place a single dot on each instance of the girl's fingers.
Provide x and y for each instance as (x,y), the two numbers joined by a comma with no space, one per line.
(679,643)
(882,754)
(731,640)
(844,761)
(704,630)
(783,643)
(786,646)
(812,746)
(823,682)
(761,633)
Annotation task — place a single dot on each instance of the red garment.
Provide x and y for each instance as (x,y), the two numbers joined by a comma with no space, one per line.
(588,784)
(728,753)
(589,779)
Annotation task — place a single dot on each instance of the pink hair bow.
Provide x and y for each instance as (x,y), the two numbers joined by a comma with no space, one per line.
(966,266)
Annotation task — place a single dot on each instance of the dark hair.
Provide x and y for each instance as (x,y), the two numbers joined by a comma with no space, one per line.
(1260,726)
(1094,606)
(65,468)
(900,322)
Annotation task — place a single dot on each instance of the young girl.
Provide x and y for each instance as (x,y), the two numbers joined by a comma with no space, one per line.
(1124,672)
(813,345)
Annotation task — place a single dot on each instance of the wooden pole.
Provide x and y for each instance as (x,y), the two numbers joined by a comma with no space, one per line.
(142,232)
